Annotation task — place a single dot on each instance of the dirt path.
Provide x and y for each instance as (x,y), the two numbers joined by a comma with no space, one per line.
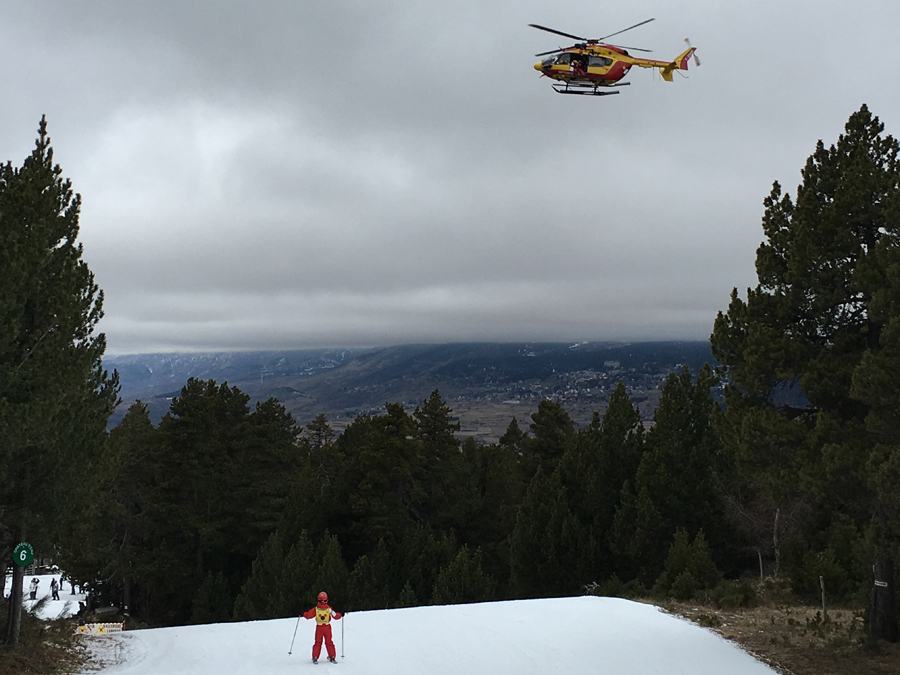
(797,640)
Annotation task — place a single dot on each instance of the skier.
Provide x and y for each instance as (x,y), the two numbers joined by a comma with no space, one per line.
(54,588)
(323,614)
(34,587)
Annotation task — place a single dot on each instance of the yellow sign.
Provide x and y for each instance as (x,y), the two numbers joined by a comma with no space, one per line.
(99,628)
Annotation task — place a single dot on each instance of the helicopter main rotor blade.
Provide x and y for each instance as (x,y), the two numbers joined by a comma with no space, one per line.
(552,51)
(623,30)
(633,49)
(559,32)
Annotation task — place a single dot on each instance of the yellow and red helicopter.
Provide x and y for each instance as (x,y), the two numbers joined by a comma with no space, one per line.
(594,68)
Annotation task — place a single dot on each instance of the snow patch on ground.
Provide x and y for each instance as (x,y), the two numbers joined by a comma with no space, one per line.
(66,606)
(586,635)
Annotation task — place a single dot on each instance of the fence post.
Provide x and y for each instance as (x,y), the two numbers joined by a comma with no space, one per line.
(822,586)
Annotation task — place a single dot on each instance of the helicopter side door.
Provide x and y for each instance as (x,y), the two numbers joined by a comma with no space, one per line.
(599,65)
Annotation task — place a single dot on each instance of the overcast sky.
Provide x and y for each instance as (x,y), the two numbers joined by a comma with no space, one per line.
(300,173)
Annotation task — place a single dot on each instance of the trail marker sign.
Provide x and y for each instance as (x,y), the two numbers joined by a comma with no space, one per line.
(23,554)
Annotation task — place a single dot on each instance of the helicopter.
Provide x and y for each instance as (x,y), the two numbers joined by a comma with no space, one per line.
(593,67)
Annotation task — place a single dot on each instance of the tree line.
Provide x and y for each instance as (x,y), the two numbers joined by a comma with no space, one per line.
(228,512)
(223,512)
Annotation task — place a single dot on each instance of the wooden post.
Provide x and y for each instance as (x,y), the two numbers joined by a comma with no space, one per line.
(882,618)
(822,586)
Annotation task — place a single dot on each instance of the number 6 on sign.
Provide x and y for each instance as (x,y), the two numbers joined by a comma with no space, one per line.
(23,554)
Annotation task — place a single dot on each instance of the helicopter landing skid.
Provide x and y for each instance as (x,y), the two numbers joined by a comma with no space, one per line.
(587,89)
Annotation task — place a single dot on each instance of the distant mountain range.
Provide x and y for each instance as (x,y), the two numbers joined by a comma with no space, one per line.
(485,383)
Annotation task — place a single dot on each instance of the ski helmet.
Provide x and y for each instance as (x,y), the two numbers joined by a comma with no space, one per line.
(323,597)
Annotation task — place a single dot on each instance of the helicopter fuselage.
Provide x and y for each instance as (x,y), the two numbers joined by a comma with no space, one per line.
(600,66)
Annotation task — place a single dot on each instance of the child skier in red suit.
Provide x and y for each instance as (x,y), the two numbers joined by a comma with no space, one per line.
(323,614)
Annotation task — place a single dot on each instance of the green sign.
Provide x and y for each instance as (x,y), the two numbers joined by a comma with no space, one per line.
(23,554)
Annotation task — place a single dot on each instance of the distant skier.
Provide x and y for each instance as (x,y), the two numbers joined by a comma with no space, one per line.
(323,614)
(34,587)
(54,588)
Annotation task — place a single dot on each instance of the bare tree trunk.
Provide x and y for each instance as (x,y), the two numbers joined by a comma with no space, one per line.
(14,623)
(822,586)
(882,619)
(775,543)
(759,555)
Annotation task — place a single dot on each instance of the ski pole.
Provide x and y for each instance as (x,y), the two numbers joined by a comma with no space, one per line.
(295,636)
(344,618)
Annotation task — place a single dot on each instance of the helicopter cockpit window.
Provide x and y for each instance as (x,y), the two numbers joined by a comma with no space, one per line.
(563,59)
(599,62)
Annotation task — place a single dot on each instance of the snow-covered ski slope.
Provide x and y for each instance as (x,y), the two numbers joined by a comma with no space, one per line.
(66,606)
(593,635)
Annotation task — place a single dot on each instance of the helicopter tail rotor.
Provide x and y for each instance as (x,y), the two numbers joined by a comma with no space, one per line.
(696,60)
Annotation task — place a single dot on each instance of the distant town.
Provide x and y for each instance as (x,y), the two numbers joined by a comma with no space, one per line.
(486,384)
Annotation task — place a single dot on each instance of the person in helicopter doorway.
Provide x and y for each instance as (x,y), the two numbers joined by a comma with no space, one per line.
(323,614)
(578,65)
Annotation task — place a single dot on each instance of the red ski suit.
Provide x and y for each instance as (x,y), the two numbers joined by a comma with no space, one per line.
(323,614)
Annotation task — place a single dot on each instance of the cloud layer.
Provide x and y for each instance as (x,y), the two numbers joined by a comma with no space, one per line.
(288,174)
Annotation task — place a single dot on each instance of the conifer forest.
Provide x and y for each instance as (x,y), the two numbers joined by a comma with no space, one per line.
(226,511)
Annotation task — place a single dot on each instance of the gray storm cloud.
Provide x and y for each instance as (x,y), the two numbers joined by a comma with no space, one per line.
(292,174)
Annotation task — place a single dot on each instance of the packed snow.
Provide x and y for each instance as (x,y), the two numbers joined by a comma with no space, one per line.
(66,606)
(572,635)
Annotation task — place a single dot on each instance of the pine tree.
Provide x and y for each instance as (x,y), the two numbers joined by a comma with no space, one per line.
(407,597)
(319,432)
(258,597)
(322,456)
(493,496)
(385,476)
(812,343)
(463,580)
(418,557)
(264,474)
(638,534)
(332,575)
(296,589)
(191,516)
(443,469)
(689,568)
(593,471)
(213,602)
(513,438)
(435,426)
(55,397)
(535,542)
(551,429)
(675,481)
(368,586)
(107,538)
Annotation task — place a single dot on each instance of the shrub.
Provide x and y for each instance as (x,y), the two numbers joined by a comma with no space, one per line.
(689,568)
(736,593)
(616,588)
(49,647)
